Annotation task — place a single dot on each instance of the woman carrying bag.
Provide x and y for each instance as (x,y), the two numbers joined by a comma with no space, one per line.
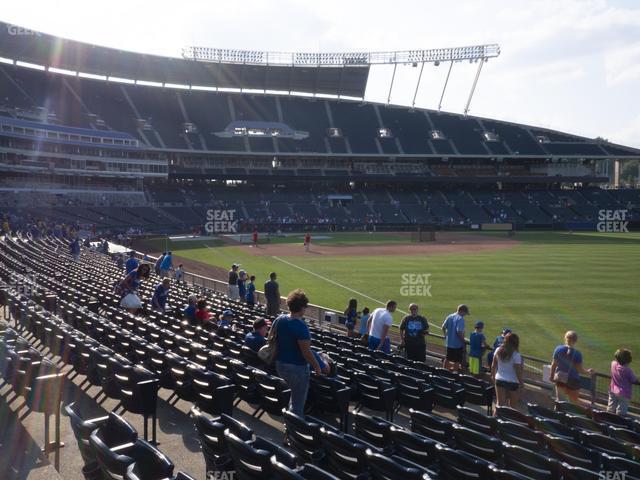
(566,368)
(289,344)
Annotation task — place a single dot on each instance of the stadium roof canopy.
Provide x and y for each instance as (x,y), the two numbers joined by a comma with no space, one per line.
(20,44)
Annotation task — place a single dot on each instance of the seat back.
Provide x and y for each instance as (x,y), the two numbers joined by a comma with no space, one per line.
(382,467)
(476,443)
(572,452)
(570,472)
(345,455)
(529,463)
(82,430)
(476,421)
(303,437)
(413,446)
(457,465)
(372,429)
(431,426)
(518,434)
(515,416)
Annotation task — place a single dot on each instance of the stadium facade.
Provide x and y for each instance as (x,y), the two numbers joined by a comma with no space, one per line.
(97,135)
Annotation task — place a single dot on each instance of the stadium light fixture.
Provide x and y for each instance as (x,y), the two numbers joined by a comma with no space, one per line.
(341,59)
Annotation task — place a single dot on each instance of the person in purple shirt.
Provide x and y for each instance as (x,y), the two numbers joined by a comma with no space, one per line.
(622,380)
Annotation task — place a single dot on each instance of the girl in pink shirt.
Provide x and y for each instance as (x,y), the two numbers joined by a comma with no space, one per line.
(622,379)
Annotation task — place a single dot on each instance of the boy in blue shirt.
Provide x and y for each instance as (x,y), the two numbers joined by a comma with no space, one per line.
(477,343)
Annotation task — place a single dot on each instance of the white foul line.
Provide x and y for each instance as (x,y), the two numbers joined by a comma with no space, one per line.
(333,282)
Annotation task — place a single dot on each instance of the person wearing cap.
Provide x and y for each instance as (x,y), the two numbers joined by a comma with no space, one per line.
(189,313)
(413,331)
(132,263)
(477,344)
(453,329)
(496,343)
(233,282)
(225,318)
(257,338)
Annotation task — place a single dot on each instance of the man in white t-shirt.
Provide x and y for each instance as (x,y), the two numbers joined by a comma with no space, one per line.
(379,324)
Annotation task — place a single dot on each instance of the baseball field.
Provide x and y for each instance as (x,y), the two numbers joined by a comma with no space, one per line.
(540,284)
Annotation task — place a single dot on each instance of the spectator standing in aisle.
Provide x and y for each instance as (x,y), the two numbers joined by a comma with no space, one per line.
(179,273)
(566,368)
(156,265)
(242,285)
(74,247)
(364,322)
(622,380)
(496,343)
(453,329)
(166,265)
(293,341)
(507,372)
(351,312)
(251,292)
(477,345)
(233,282)
(413,332)
(132,262)
(379,324)
(272,295)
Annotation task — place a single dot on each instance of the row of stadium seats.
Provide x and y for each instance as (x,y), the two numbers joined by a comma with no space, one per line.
(80,102)
(200,364)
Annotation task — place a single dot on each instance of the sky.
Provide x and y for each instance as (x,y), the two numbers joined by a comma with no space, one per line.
(570,65)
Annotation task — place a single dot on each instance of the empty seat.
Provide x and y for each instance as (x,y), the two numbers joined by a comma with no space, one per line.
(305,472)
(500,474)
(457,465)
(414,393)
(252,459)
(555,428)
(375,394)
(476,443)
(83,428)
(373,430)
(382,467)
(330,395)
(414,447)
(518,434)
(212,439)
(570,472)
(515,416)
(536,410)
(447,393)
(477,391)
(345,454)
(572,453)
(608,445)
(303,437)
(612,419)
(530,464)
(431,426)
(619,464)
(476,421)
(572,408)
(579,422)
(273,394)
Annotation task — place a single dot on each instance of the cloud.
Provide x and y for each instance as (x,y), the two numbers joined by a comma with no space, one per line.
(623,64)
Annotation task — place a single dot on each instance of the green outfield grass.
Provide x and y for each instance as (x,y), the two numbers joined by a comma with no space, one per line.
(549,283)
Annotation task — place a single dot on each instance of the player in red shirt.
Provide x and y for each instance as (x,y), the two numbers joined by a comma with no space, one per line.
(307,242)
(255,238)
